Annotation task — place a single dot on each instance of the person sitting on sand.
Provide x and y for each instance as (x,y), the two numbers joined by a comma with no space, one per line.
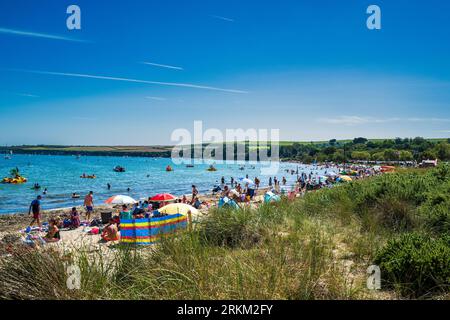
(125,214)
(74,218)
(225,192)
(53,231)
(110,232)
(196,203)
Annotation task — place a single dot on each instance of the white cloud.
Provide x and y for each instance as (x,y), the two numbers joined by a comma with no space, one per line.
(222,18)
(28,95)
(359,120)
(156,98)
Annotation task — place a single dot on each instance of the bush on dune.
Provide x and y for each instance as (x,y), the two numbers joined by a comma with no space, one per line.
(416,265)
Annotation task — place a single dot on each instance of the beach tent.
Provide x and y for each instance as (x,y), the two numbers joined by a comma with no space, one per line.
(120,199)
(149,231)
(227,202)
(163,197)
(271,197)
(181,208)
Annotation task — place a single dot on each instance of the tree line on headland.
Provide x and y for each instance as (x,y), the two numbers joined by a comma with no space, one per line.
(398,149)
(358,149)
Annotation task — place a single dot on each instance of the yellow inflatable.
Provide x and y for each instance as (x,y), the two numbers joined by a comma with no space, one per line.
(16,180)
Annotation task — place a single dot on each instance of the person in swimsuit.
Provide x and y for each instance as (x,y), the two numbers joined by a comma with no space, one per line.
(111,232)
(89,204)
(35,207)
(53,232)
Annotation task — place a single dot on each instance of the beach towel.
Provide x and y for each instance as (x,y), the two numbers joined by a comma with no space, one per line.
(149,231)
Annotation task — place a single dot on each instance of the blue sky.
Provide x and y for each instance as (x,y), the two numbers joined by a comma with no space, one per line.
(137,70)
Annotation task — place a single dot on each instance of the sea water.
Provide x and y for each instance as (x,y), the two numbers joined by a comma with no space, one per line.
(144,176)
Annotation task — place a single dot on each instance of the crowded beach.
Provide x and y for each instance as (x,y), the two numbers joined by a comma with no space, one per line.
(101,223)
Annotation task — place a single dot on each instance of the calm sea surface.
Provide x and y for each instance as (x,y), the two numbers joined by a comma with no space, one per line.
(144,176)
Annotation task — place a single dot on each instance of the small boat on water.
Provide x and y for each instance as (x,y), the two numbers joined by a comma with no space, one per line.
(211,168)
(189,166)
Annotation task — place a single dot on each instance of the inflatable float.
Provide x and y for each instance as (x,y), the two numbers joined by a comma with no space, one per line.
(16,180)
(89,177)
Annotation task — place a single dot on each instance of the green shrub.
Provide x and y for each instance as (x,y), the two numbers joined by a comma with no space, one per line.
(416,265)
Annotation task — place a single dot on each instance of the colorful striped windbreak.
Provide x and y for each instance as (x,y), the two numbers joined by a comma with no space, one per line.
(148,231)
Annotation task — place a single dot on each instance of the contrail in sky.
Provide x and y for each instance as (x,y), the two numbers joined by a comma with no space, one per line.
(162,65)
(172,84)
(37,35)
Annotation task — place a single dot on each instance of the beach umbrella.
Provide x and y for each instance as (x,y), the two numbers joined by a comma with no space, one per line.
(346,178)
(120,199)
(163,197)
(246,180)
(181,208)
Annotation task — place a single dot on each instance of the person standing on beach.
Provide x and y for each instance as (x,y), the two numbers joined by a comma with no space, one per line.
(257,182)
(89,204)
(194,194)
(35,206)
